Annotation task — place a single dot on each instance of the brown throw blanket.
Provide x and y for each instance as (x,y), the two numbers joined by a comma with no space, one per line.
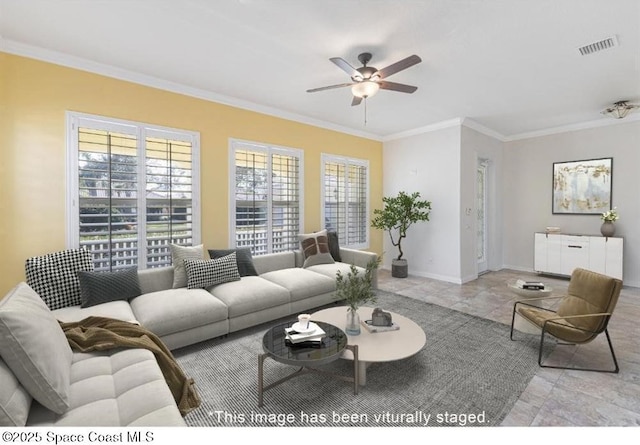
(101,333)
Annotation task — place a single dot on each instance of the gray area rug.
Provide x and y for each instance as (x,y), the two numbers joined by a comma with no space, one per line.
(468,374)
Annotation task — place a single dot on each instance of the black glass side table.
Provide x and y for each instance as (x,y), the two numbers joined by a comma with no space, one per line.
(306,358)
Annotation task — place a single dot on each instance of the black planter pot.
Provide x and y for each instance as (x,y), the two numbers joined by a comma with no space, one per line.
(399,268)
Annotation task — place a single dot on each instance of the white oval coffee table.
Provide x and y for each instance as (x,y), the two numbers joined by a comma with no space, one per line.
(379,346)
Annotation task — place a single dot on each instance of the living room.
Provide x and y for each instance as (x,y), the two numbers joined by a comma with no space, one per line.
(437,156)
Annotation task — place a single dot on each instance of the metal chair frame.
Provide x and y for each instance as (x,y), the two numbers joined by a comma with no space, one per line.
(555,320)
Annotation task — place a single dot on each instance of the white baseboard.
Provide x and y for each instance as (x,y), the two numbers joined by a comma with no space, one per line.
(422,274)
(456,280)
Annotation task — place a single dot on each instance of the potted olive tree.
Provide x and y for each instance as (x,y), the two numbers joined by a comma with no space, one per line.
(397,215)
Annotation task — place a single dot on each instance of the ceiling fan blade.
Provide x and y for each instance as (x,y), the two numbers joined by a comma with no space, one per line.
(346,67)
(398,66)
(330,87)
(396,86)
(356,101)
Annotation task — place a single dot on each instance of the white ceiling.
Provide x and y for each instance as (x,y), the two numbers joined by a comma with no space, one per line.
(512,66)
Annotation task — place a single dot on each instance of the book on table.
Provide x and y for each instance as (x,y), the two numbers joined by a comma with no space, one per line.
(315,335)
(372,328)
(531,285)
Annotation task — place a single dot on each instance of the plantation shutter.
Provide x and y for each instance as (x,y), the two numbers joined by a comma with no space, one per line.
(169,197)
(133,192)
(357,205)
(266,197)
(345,200)
(335,197)
(285,202)
(108,197)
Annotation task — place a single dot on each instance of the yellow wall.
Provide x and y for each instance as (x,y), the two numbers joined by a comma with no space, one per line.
(34,97)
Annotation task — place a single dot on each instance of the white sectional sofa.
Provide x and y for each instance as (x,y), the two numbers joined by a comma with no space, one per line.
(125,387)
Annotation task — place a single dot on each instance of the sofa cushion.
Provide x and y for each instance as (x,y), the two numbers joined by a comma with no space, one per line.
(122,387)
(155,279)
(35,348)
(206,273)
(250,294)
(330,270)
(103,287)
(54,276)
(275,261)
(178,255)
(301,283)
(243,258)
(176,310)
(15,400)
(120,310)
(315,248)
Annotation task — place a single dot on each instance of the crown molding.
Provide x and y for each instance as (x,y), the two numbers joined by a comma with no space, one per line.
(470,123)
(57,58)
(604,122)
(456,122)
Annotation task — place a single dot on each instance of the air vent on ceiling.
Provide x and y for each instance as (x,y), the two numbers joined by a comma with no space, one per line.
(603,44)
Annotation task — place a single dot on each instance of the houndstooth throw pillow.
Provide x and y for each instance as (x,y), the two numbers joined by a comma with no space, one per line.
(206,273)
(55,276)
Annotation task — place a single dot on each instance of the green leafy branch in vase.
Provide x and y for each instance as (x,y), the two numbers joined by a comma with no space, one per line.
(356,288)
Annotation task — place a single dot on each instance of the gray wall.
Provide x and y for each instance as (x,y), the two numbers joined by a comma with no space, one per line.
(441,165)
(428,163)
(527,190)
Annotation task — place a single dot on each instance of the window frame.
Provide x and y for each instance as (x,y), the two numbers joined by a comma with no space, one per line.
(347,161)
(268,149)
(142,131)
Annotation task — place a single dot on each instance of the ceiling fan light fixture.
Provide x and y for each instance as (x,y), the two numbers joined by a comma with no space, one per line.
(620,109)
(365,89)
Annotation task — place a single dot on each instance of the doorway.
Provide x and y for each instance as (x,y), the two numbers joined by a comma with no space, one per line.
(481,224)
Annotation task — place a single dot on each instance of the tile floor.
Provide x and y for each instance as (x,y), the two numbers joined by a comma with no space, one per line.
(554,397)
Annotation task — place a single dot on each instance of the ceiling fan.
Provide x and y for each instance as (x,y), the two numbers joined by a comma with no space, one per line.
(367,80)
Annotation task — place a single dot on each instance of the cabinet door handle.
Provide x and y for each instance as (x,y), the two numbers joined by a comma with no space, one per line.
(574,247)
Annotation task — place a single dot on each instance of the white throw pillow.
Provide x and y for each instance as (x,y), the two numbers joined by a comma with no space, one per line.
(178,255)
(35,348)
(15,401)
(315,248)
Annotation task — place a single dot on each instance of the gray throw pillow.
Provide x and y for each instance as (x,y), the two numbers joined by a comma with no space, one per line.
(243,258)
(103,287)
(334,245)
(207,273)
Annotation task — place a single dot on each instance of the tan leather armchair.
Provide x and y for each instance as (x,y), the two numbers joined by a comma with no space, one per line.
(582,314)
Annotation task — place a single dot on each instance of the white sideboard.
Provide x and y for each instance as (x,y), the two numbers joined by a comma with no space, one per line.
(559,254)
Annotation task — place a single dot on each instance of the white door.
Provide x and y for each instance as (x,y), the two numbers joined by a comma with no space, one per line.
(482,215)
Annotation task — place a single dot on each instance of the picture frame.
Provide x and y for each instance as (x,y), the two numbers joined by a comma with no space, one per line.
(582,187)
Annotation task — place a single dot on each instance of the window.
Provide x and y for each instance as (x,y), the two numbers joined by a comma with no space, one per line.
(266,186)
(133,189)
(345,198)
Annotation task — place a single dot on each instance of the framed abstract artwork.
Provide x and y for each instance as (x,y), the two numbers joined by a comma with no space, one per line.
(582,187)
